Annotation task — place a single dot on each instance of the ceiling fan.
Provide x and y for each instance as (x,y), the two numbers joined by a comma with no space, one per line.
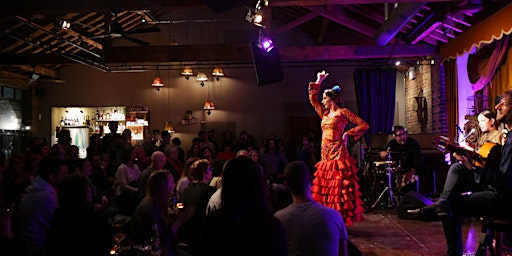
(116,31)
(36,78)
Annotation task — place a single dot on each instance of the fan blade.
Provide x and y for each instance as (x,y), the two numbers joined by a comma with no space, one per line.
(99,36)
(55,81)
(135,40)
(142,30)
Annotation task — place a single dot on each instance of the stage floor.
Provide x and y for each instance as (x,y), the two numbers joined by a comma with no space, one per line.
(383,233)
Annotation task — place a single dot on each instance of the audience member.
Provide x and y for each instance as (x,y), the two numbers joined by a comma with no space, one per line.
(94,144)
(245,223)
(181,153)
(205,143)
(306,154)
(207,153)
(254,155)
(196,195)
(166,140)
(150,142)
(61,149)
(194,151)
(211,138)
(172,163)
(38,206)
(157,163)
(16,179)
(126,187)
(227,135)
(273,161)
(311,228)
(77,229)
(225,152)
(186,177)
(112,145)
(242,153)
(153,209)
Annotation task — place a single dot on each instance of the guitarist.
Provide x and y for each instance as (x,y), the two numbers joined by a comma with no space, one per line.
(464,196)
(489,129)
(410,157)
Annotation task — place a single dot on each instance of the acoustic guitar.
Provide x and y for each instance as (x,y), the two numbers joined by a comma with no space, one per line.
(443,144)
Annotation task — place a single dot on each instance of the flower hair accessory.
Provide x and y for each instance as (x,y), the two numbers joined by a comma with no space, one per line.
(336,88)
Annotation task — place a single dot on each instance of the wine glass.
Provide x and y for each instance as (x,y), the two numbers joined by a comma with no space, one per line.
(118,235)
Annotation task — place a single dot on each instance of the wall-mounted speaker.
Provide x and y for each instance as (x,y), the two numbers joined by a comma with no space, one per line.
(266,64)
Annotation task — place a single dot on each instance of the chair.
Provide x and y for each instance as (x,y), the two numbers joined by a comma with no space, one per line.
(499,226)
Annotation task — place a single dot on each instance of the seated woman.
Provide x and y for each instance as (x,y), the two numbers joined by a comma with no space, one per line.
(245,223)
(153,209)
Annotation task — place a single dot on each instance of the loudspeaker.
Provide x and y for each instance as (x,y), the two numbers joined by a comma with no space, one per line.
(412,200)
(266,64)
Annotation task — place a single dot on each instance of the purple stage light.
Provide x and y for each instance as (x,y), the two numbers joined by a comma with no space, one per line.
(267,44)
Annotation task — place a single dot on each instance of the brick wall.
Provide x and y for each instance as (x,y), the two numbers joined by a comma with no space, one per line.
(429,83)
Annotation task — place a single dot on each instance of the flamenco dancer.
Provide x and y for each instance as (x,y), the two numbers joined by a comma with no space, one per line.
(335,183)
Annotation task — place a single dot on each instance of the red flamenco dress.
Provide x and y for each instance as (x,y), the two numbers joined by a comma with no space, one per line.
(335,184)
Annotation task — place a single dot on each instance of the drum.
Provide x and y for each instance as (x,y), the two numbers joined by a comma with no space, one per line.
(382,167)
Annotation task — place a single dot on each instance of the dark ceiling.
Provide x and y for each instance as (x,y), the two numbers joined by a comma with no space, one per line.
(31,41)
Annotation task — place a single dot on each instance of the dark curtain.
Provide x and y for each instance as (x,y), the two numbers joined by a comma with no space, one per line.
(375,91)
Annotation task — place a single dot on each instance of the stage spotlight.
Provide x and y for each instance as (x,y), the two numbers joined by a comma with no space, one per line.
(266,44)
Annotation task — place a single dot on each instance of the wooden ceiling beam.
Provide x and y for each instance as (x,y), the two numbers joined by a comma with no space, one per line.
(294,23)
(345,21)
(27,7)
(229,53)
(337,2)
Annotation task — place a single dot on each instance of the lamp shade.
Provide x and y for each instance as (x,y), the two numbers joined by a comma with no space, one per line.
(209,105)
(168,127)
(201,76)
(157,83)
(187,71)
(217,71)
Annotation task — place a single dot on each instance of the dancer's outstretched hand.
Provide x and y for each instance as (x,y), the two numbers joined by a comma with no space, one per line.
(320,76)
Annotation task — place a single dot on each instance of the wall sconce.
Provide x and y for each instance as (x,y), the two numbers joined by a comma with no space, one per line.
(157,82)
(217,73)
(411,73)
(168,127)
(187,72)
(201,77)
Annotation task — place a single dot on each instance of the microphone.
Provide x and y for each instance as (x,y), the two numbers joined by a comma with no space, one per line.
(469,134)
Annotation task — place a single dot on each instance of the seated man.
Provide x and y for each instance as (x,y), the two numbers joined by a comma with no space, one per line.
(471,190)
(311,228)
(407,153)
